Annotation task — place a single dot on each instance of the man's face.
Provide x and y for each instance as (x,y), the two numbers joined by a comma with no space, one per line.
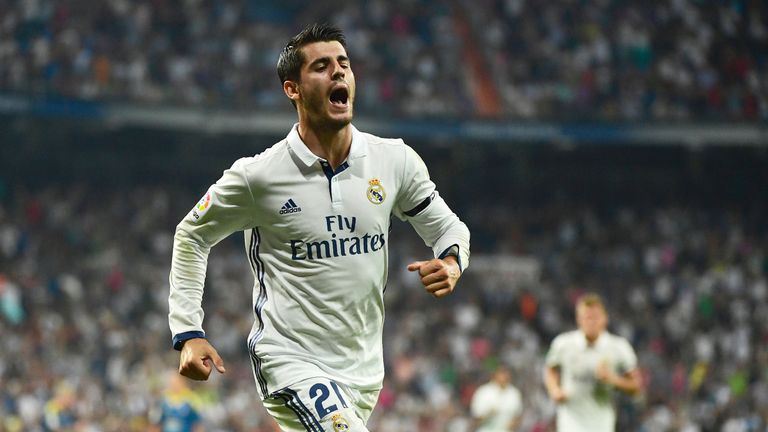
(592,320)
(327,85)
(502,377)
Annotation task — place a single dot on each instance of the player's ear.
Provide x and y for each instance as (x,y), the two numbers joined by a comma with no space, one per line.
(291,89)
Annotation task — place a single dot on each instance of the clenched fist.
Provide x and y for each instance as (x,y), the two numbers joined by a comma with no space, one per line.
(439,276)
(198,358)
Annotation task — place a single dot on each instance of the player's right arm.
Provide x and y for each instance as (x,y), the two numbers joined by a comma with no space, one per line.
(482,407)
(552,382)
(227,207)
(552,378)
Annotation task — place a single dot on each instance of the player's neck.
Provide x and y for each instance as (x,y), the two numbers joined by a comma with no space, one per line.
(329,144)
(592,339)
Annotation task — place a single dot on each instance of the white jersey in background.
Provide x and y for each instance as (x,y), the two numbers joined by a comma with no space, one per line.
(497,407)
(317,243)
(589,407)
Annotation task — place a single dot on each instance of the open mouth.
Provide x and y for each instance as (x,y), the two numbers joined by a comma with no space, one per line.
(339,96)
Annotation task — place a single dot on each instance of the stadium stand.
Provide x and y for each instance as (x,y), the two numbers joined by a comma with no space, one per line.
(607,60)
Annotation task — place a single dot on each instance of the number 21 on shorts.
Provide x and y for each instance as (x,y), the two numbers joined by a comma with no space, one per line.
(320,393)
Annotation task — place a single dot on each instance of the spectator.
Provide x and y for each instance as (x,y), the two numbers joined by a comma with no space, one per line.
(604,60)
(687,287)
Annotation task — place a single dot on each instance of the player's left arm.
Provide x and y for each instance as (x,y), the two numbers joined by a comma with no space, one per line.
(628,379)
(628,382)
(421,205)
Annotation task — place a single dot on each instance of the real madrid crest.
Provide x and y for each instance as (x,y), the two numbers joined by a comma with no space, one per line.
(339,423)
(376,193)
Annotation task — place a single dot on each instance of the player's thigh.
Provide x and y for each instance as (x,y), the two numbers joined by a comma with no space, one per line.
(365,401)
(319,405)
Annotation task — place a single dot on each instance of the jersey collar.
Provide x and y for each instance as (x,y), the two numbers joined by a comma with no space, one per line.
(600,341)
(357,149)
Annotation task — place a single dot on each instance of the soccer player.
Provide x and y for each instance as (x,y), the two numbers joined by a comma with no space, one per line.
(497,405)
(584,366)
(60,412)
(315,209)
(180,408)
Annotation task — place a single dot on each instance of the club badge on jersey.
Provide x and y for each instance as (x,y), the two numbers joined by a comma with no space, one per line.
(202,206)
(339,423)
(376,193)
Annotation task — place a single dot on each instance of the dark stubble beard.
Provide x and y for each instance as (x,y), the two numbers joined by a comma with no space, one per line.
(314,103)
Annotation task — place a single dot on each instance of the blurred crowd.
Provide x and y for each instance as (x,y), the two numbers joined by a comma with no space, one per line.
(613,59)
(566,59)
(86,347)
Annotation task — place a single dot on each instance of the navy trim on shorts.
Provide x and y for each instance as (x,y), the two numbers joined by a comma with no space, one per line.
(309,413)
(292,401)
(287,403)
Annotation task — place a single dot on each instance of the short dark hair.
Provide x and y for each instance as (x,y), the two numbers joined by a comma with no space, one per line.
(291,59)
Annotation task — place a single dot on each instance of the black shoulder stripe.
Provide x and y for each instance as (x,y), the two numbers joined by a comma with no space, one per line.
(416,210)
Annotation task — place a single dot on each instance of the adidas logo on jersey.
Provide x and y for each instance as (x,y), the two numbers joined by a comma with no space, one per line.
(289,207)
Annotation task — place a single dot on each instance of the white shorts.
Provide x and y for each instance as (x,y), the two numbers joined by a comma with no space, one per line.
(321,405)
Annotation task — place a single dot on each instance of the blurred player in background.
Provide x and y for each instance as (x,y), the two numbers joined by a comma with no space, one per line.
(60,412)
(180,409)
(497,404)
(315,209)
(584,366)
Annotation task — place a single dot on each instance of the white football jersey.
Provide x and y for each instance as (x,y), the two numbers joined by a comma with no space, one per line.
(497,406)
(317,242)
(589,407)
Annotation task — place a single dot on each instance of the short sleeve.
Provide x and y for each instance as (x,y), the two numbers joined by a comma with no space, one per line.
(554,356)
(481,403)
(627,357)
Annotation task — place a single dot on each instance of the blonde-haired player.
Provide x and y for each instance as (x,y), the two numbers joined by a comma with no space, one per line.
(585,366)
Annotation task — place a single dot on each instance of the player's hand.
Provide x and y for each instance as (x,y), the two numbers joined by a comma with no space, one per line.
(198,358)
(439,276)
(558,395)
(604,374)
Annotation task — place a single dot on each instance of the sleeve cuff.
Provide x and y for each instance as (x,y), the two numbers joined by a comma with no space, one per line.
(179,339)
(454,251)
